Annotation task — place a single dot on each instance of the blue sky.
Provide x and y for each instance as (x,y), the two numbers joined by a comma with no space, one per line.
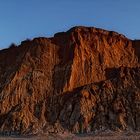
(22,19)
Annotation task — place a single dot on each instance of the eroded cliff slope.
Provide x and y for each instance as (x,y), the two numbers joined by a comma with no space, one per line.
(82,80)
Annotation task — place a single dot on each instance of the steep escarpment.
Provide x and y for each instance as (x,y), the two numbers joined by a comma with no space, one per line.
(95,50)
(82,80)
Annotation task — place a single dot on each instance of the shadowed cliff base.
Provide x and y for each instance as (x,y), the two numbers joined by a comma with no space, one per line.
(111,104)
(80,81)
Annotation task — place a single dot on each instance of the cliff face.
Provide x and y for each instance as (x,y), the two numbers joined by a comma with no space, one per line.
(82,80)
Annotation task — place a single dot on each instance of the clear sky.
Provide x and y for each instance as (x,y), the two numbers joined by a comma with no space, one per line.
(22,19)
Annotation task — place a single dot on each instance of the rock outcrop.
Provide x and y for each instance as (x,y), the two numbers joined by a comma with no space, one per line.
(82,80)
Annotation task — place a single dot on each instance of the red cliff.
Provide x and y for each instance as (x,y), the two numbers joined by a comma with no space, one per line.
(82,80)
